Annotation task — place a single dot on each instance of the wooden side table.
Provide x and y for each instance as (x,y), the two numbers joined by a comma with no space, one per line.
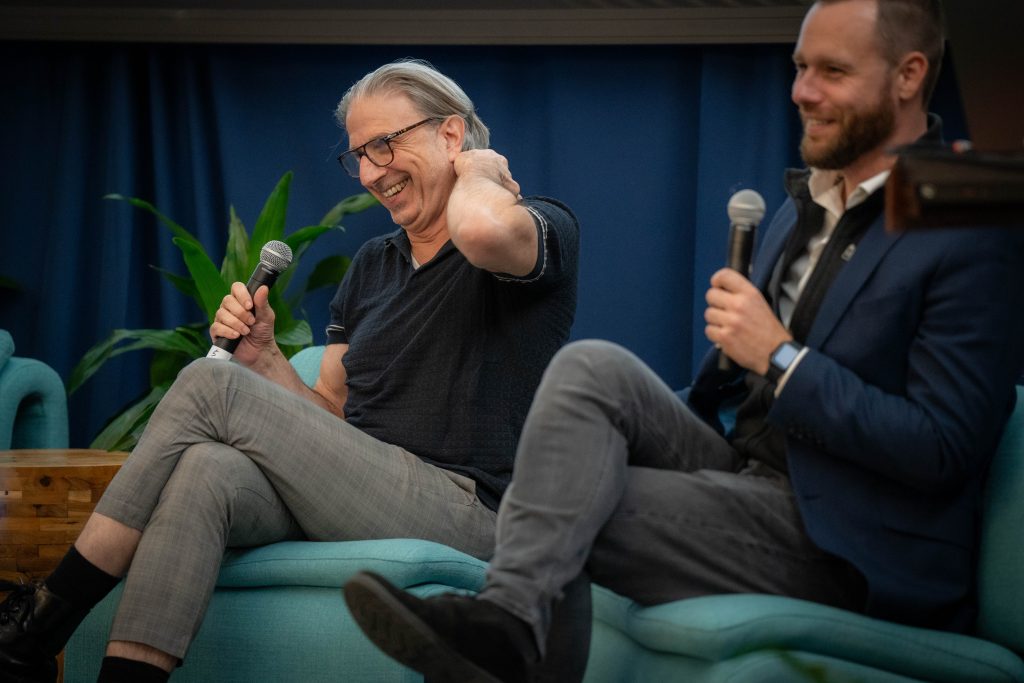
(45,498)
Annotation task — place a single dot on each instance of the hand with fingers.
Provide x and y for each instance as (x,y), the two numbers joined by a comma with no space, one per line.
(740,322)
(486,163)
(248,318)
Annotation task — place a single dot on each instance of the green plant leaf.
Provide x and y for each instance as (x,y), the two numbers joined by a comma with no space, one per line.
(329,271)
(236,256)
(298,334)
(185,285)
(124,430)
(190,343)
(94,358)
(299,241)
(178,231)
(349,205)
(209,282)
(166,365)
(197,333)
(303,236)
(270,223)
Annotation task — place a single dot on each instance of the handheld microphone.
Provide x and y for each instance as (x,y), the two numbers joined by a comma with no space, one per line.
(275,257)
(746,209)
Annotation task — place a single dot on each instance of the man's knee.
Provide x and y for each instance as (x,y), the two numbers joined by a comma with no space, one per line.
(595,362)
(225,492)
(204,373)
(208,473)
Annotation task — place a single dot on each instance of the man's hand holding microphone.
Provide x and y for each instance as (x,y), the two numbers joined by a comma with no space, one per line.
(740,323)
(243,327)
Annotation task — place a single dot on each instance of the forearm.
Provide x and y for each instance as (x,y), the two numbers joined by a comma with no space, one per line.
(933,436)
(487,220)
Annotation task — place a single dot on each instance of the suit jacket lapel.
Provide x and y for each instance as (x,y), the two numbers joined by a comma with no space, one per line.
(851,278)
(774,242)
(870,251)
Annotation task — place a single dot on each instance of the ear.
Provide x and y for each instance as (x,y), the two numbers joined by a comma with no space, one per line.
(453,130)
(910,75)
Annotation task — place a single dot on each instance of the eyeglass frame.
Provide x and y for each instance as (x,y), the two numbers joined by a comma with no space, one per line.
(359,152)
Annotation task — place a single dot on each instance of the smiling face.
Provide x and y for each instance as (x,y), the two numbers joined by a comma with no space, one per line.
(844,87)
(416,185)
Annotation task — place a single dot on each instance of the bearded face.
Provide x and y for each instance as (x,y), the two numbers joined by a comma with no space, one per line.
(851,132)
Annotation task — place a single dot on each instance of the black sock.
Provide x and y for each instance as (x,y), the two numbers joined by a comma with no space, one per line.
(120,670)
(79,581)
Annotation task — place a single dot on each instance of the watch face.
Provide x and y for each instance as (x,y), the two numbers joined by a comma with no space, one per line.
(785,355)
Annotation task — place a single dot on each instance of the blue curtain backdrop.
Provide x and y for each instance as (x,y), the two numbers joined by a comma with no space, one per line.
(645,143)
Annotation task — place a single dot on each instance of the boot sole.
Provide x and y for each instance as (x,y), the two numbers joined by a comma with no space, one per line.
(405,637)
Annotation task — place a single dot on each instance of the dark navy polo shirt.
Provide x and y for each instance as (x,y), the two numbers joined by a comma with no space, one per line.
(443,360)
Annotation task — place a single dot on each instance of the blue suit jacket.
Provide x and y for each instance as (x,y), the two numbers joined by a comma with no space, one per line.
(892,417)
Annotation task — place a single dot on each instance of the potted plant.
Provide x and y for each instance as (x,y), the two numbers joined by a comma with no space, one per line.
(207,285)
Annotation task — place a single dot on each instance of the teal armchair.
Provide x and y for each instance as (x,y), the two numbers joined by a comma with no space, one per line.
(765,638)
(33,403)
(278,614)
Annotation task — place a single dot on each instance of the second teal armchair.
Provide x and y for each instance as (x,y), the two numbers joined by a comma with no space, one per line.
(33,403)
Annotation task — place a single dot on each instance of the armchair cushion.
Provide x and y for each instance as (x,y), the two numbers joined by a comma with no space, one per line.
(406,563)
(717,633)
(278,613)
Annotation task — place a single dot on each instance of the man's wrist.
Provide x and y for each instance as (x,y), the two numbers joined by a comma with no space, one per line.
(782,359)
(268,360)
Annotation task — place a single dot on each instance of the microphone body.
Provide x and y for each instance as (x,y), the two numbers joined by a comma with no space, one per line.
(275,257)
(746,209)
(741,246)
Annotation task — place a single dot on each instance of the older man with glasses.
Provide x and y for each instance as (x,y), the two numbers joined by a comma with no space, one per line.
(438,337)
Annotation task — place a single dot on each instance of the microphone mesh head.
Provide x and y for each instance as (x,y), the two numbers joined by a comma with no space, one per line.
(746,207)
(276,256)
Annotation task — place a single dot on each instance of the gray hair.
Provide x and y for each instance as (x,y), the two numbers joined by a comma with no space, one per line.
(430,91)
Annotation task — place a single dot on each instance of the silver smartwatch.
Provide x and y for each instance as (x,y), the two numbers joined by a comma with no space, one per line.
(781,360)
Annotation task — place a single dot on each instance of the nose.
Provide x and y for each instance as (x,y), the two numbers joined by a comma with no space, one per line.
(804,90)
(369,172)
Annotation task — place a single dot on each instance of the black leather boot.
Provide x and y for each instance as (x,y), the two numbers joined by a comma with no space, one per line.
(445,637)
(35,624)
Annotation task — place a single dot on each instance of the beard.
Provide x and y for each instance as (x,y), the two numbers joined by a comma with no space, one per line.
(860,132)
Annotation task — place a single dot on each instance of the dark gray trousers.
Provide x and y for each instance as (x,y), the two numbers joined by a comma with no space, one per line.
(615,474)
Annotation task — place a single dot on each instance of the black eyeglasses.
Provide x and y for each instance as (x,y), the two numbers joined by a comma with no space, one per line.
(378,150)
